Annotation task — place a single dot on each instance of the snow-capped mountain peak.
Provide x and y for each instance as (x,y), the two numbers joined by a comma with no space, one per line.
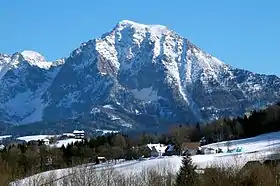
(4,61)
(146,73)
(3,55)
(128,23)
(35,59)
(140,29)
(183,60)
(32,55)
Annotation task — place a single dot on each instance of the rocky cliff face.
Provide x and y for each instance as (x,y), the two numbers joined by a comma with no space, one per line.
(24,77)
(132,76)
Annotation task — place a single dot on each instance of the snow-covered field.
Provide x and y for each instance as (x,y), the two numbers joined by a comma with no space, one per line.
(4,137)
(261,147)
(58,144)
(256,148)
(65,142)
(34,138)
(259,143)
(106,131)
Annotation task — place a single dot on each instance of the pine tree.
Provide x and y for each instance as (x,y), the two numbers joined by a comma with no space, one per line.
(186,175)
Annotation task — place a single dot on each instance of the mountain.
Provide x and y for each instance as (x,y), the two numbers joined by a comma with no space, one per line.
(133,76)
(24,77)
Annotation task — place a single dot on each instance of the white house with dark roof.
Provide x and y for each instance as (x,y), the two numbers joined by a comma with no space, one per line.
(46,141)
(157,149)
(79,134)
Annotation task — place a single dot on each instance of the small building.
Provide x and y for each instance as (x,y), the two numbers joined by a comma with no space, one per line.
(100,159)
(79,134)
(46,141)
(156,149)
(208,150)
(190,148)
(68,135)
(171,150)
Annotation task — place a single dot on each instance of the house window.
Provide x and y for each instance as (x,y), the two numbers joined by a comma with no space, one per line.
(79,134)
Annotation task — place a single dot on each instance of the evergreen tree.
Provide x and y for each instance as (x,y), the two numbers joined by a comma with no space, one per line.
(186,175)
(195,133)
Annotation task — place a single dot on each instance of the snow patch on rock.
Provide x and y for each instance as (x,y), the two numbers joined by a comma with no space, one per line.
(145,94)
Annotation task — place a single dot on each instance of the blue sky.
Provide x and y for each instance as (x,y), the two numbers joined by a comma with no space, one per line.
(245,34)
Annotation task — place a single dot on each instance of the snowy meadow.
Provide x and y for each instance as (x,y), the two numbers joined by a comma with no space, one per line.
(142,172)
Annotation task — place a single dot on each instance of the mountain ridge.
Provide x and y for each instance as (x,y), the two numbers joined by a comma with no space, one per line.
(127,74)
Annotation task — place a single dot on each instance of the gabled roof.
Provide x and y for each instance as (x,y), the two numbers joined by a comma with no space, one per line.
(78,132)
(158,147)
(170,148)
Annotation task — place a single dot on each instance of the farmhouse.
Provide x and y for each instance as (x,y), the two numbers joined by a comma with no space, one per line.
(46,141)
(156,149)
(171,150)
(190,148)
(208,150)
(79,134)
(100,159)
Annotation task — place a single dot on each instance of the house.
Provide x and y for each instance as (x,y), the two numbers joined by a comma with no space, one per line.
(79,134)
(190,148)
(68,135)
(100,159)
(208,150)
(155,152)
(46,141)
(156,149)
(171,150)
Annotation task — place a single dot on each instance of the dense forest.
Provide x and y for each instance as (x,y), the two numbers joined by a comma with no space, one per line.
(251,124)
(21,160)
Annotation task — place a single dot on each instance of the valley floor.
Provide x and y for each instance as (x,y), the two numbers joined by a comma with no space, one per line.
(258,148)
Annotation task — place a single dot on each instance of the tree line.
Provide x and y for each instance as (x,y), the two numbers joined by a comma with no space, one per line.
(21,160)
(251,124)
